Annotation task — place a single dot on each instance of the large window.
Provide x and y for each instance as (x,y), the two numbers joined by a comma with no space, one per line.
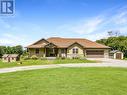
(37,51)
(75,50)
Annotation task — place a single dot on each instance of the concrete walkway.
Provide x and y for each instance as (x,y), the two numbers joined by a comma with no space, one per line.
(103,64)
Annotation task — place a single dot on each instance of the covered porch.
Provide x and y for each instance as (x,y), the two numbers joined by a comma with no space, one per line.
(52,50)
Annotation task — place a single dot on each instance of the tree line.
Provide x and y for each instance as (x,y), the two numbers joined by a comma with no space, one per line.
(116,43)
(11,50)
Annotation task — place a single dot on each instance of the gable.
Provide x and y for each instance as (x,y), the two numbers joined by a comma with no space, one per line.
(42,41)
(50,45)
(75,45)
(39,44)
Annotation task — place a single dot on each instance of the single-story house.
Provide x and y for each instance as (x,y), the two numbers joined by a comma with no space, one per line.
(68,47)
(10,57)
(116,54)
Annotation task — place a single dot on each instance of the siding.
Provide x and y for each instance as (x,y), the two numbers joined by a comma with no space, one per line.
(33,52)
(70,51)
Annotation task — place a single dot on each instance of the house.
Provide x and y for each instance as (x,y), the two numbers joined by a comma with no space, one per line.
(10,57)
(68,47)
(116,54)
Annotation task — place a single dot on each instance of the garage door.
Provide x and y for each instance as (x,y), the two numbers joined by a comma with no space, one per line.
(95,53)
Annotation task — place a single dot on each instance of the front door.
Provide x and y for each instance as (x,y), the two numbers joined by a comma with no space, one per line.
(118,56)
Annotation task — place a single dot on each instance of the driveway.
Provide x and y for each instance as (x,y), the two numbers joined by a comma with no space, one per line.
(103,63)
(107,60)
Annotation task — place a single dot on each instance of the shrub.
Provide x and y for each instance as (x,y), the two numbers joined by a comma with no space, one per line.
(34,57)
(25,57)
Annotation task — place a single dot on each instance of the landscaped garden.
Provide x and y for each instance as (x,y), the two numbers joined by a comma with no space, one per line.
(43,62)
(65,81)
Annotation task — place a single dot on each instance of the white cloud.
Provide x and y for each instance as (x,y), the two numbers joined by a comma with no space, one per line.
(22,33)
(92,28)
(4,41)
(120,18)
(98,26)
(10,39)
(88,26)
(96,36)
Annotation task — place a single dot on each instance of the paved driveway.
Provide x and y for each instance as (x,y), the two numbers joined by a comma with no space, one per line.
(103,63)
(107,60)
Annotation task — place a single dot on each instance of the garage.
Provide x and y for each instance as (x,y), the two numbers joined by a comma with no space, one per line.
(95,53)
(115,54)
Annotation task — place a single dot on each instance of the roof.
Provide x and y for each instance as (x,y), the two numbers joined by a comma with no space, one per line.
(36,46)
(66,42)
(114,51)
(10,55)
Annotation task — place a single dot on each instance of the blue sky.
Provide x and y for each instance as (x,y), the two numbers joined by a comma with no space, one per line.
(36,19)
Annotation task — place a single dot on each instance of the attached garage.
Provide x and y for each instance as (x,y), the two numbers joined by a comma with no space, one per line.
(95,53)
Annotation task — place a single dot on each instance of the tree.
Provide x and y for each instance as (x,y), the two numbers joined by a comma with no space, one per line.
(1,51)
(11,50)
(116,43)
(114,33)
(19,49)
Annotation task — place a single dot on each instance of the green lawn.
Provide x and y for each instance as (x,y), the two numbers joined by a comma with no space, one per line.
(65,81)
(125,59)
(44,62)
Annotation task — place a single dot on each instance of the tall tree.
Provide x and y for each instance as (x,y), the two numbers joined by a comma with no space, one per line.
(116,43)
(11,50)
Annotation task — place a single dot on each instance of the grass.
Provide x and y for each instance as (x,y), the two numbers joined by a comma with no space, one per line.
(43,62)
(65,81)
(125,59)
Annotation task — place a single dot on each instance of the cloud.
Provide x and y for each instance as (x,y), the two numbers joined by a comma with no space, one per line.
(97,27)
(93,28)
(88,26)
(10,39)
(120,18)
(22,33)
(96,36)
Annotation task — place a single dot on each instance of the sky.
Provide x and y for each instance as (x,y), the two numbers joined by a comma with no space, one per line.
(36,19)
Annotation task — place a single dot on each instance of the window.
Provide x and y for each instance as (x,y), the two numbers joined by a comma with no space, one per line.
(12,58)
(75,50)
(62,50)
(4,58)
(37,51)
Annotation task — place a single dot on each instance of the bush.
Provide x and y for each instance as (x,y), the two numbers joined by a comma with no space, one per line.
(25,57)
(34,57)
(76,57)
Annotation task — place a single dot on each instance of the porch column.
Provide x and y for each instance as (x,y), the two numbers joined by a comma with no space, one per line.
(59,52)
(84,52)
(44,55)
